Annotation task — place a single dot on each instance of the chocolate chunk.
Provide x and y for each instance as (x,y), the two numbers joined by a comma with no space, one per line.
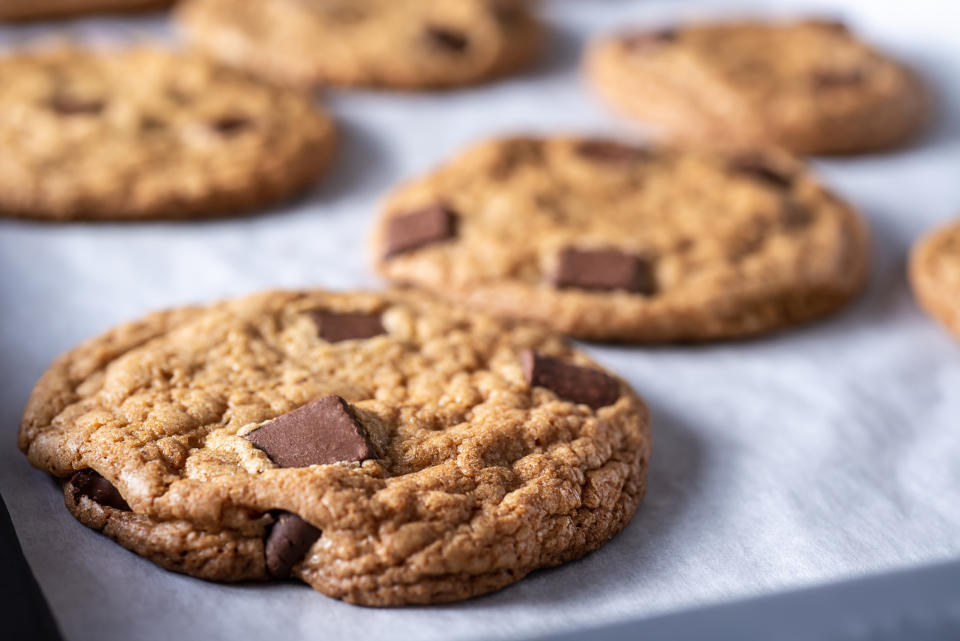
(90,484)
(447,39)
(334,327)
(793,215)
(287,543)
(418,228)
(570,382)
(70,106)
(829,79)
(229,125)
(649,40)
(606,151)
(318,433)
(603,269)
(756,167)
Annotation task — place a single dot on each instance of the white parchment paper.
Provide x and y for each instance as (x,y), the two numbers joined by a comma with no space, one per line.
(808,456)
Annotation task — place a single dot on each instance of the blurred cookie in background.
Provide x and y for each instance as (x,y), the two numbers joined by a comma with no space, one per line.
(605,241)
(145,133)
(935,275)
(408,44)
(811,87)
(39,9)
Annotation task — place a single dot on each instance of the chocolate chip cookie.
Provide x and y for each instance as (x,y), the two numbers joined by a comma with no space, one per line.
(409,44)
(811,86)
(384,448)
(935,275)
(34,9)
(144,133)
(607,241)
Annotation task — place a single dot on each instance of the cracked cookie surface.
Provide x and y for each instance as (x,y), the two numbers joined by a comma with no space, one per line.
(408,44)
(935,275)
(607,241)
(144,133)
(470,469)
(810,86)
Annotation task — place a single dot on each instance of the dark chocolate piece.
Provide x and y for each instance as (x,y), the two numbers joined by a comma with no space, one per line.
(607,151)
(570,382)
(287,544)
(66,105)
(229,125)
(447,39)
(603,269)
(88,483)
(318,433)
(334,327)
(829,79)
(415,229)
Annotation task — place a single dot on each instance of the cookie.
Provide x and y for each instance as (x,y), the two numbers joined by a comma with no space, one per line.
(810,87)
(935,275)
(35,9)
(144,133)
(384,448)
(407,44)
(607,241)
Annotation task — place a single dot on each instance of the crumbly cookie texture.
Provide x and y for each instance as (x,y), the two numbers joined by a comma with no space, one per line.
(432,456)
(36,9)
(810,87)
(607,241)
(935,275)
(407,44)
(144,133)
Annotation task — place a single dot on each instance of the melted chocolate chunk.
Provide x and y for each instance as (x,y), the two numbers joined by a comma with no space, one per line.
(570,382)
(607,151)
(447,39)
(229,125)
(287,543)
(90,484)
(334,327)
(318,433)
(603,269)
(415,229)
(66,105)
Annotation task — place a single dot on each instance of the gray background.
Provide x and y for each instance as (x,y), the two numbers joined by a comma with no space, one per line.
(814,455)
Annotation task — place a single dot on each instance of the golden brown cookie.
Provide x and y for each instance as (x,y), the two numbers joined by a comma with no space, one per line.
(384,448)
(606,241)
(35,9)
(935,275)
(145,133)
(810,87)
(409,44)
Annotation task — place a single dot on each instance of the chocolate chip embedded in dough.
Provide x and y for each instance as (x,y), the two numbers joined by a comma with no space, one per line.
(649,40)
(287,543)
(334,327)
(607,151)
(319,433)
(88,483)
(830,79)
(603,269)
(447,39)
(66,105)
(412,230)
(229,125)
(570,382)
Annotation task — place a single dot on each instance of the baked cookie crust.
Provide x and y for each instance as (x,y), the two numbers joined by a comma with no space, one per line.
(810,86)
(481,472)
(707,246)
(146,133)
(935,275)
(401,44)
